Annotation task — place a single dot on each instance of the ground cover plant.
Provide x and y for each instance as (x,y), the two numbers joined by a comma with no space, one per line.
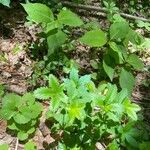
(72,107)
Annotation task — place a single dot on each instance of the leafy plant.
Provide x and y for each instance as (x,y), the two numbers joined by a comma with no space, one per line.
(21,113)
(87,114)
(53,27)
(118,60)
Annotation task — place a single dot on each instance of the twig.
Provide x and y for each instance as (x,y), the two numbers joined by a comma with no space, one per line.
(104,10)
(16,147)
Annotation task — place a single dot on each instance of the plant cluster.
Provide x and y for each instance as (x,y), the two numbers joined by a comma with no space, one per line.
(21,113)
(85,114)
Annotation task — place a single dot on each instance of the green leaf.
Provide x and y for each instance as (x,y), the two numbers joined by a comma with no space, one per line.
(94,38)
(69,18)
(55,41)
(4,147)
(74,75)
(76,110)
(108,66)
(135,61)
(111,94)
(113,146)
(119,30)
(29,98)
(131,140)
(131,109)
(21,119)
(42,93)
(144,145)
(22,136)
(30,146)
(5,2)
(10,102)
(38,13)
(117,49)
(127,80)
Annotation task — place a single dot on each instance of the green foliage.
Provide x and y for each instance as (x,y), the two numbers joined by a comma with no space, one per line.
(5,2)
(94,38)
(30,146)
(117,57)
(53,27)
(87,113)
(4,147)
(21,114)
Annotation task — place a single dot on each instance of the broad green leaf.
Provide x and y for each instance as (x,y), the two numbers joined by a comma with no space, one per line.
(21,119)
(131,109)
(30,146)
(34,112)
(135,61)
(4,147)
(5,2)
(22,136)
(126,80)
(69,18)
(94,38)
(133,37)
(131,140)
(38,13)
(29,98)
(108,66)
(55,41)
(31,130)
(117,49)
(42,93)
(6,113)
(119,30)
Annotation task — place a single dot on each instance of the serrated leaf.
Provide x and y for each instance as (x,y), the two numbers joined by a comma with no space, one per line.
(69,18)
(55,41)
(38,13)
(108,66)
(30,146)
(22,136)
(119,30)
(42,93)
(135,61)
(126,80)
(5,2)
(94,38)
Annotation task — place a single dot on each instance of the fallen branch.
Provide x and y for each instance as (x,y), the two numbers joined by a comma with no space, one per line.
(104,10)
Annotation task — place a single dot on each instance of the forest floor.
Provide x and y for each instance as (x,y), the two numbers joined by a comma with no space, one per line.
(16,69)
